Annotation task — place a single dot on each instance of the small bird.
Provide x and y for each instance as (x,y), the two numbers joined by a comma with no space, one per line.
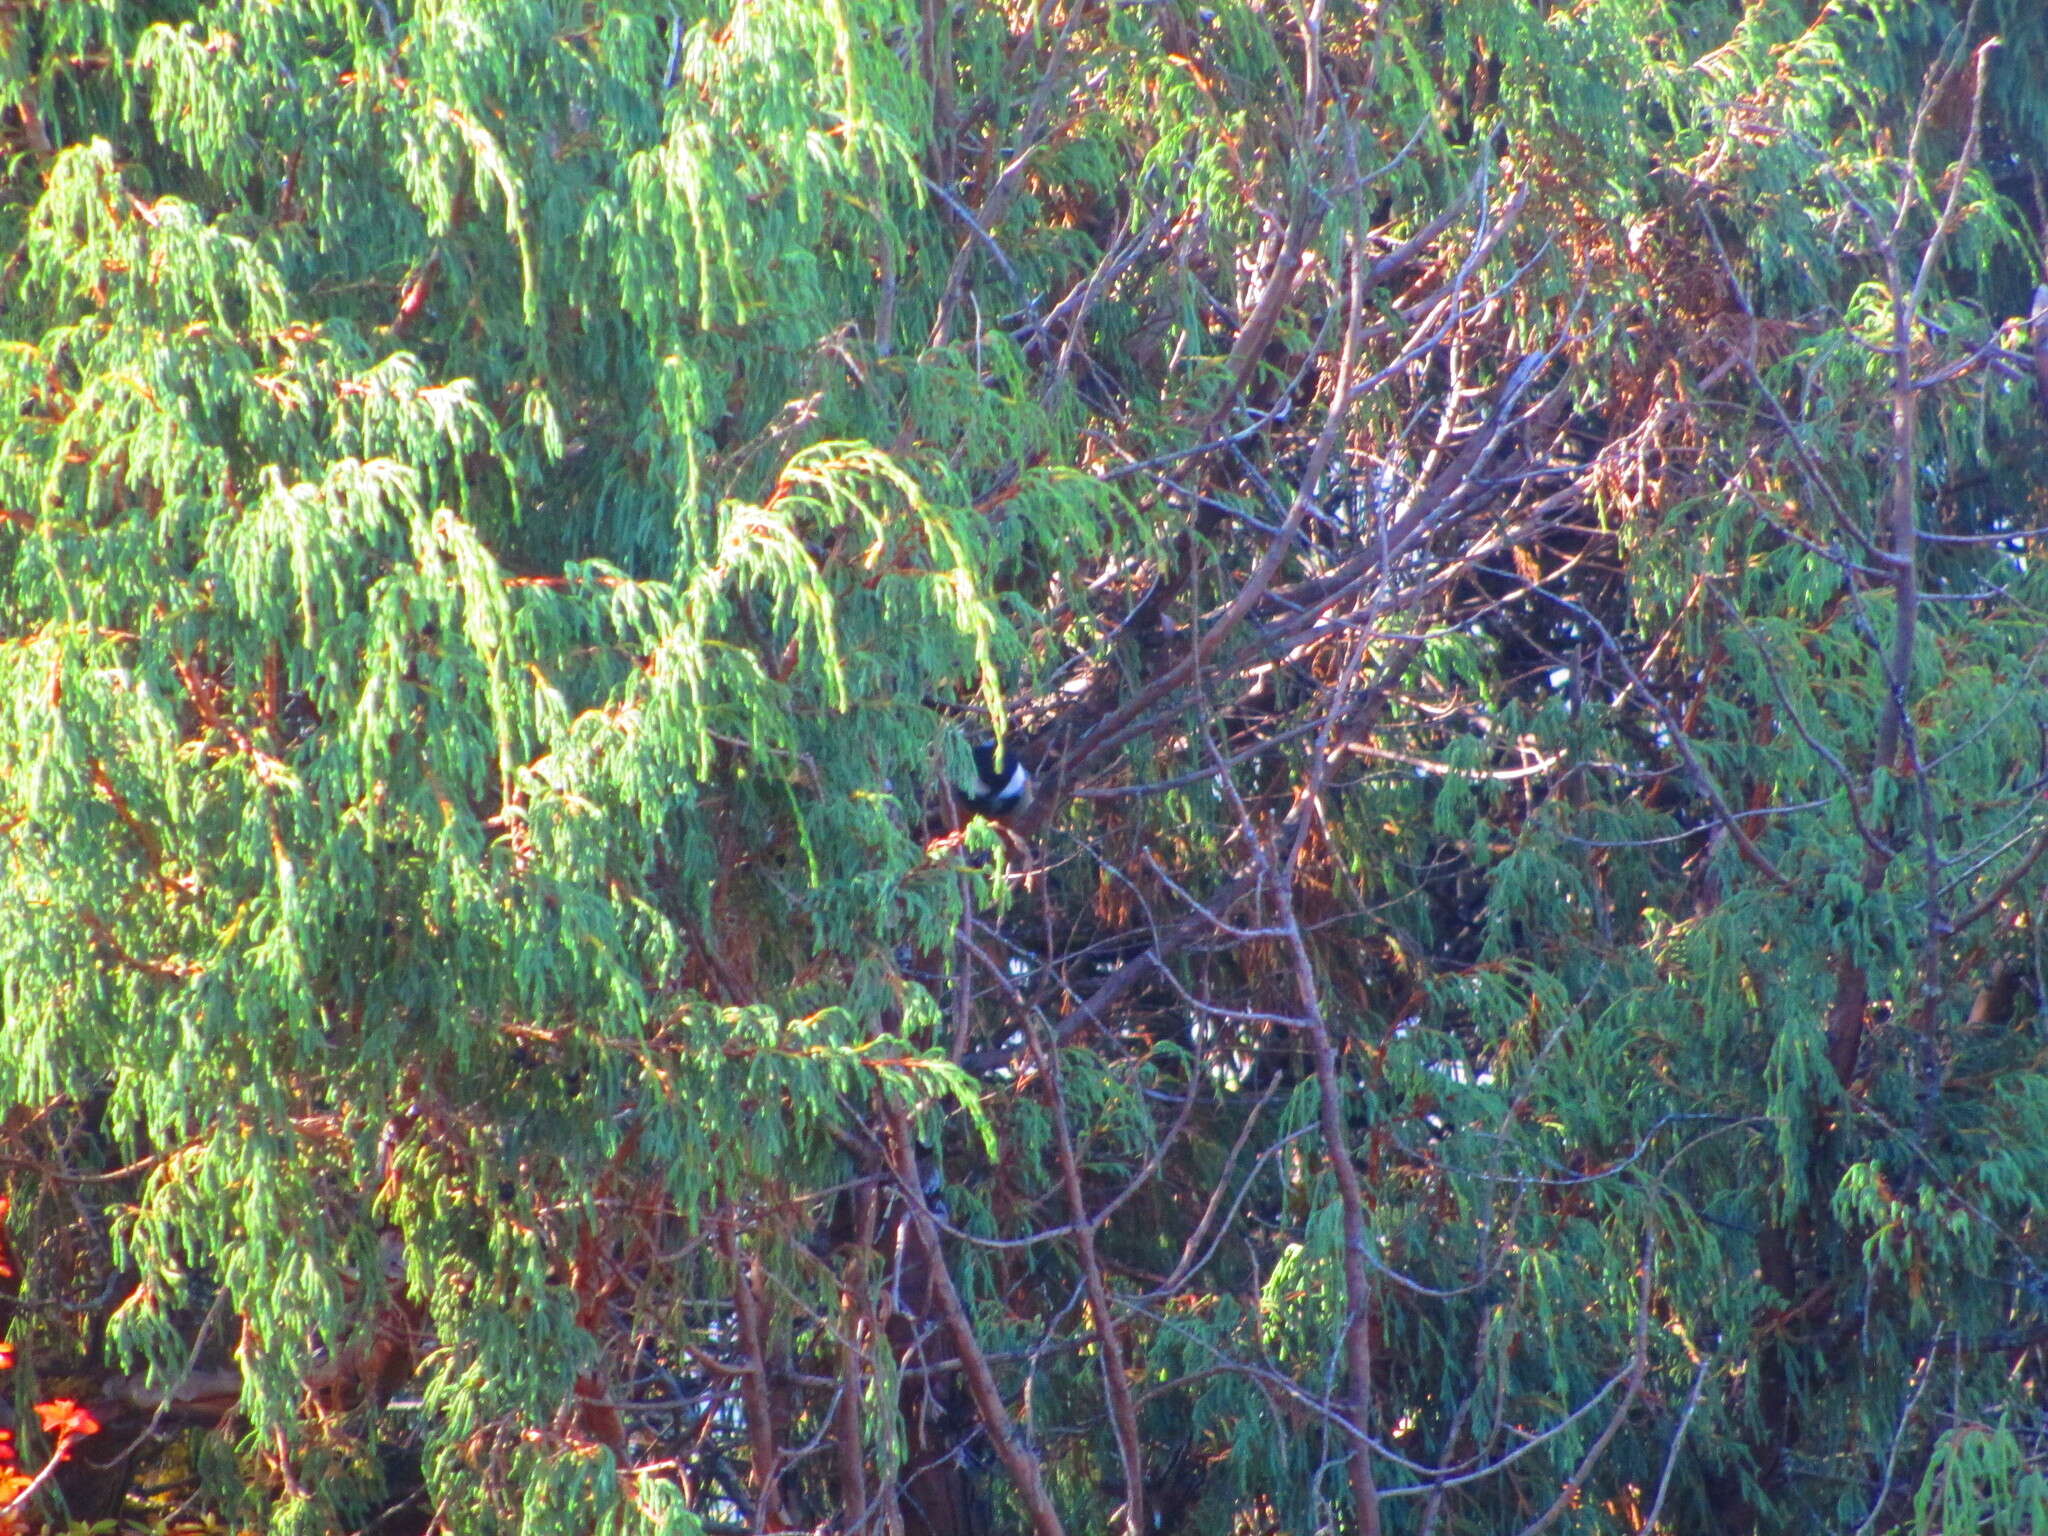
(1001,787)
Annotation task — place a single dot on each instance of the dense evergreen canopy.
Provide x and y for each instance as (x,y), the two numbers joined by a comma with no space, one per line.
(1507,531)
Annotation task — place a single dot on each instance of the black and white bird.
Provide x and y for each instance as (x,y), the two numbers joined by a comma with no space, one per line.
(1001,784)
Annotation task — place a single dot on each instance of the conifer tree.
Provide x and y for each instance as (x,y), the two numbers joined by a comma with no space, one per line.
(1508,535)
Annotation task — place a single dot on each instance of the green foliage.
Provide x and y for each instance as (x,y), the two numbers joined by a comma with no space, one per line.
(1528,955)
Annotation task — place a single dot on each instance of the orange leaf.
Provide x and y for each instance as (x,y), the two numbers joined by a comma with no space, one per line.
(63,1418)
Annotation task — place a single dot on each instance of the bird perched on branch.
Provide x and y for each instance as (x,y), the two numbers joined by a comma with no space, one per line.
(1001,787)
